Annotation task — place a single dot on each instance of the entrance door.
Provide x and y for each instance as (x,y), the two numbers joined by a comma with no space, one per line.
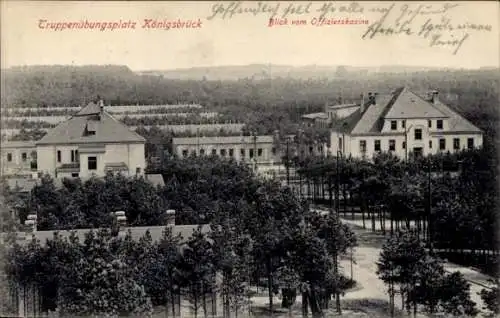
(418,152)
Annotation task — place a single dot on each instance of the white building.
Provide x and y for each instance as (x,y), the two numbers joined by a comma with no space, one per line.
(91,142)
(402,123)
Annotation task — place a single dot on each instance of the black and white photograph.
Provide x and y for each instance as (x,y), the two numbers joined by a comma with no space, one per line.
(249,159)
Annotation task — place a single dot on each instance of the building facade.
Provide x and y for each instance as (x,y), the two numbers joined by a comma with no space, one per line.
(405,124)
(261,149)
(91,142)
(18,158)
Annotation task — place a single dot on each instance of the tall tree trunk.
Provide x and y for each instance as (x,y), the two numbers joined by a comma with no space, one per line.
(305,304)
(270,285)
(337,294)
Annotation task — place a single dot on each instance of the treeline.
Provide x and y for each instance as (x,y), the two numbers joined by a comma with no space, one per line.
(194,193)
(473,93)
(258,230)
(451,199)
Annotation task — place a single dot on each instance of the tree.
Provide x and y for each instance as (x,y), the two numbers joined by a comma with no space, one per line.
(491,299)
(400,264)
(198,270)
(99,282)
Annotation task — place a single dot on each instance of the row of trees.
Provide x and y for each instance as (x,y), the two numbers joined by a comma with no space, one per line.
(264,231)
(440,194)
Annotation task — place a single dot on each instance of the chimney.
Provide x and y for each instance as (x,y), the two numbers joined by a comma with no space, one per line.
(101,105)
(371,98)
(375,98)
(362,106)
(434,95)
(171,217)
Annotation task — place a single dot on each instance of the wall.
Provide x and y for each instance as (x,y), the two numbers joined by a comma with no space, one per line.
(84,171)
(267,153)
(137,158)
(16,165)
(46,159)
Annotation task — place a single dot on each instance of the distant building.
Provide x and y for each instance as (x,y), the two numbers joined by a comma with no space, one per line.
(18,158)
(91,142)
(262,149)
(402,123)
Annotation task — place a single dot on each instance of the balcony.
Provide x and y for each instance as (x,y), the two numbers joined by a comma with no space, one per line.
(72,167)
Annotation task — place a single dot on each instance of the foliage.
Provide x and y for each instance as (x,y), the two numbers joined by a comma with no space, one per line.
(491,299)
(422,279)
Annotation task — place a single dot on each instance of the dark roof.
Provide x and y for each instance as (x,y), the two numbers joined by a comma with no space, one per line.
(107,129)
(137,232)
(402,103)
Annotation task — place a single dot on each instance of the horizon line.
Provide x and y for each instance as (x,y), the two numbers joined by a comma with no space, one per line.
(263,64)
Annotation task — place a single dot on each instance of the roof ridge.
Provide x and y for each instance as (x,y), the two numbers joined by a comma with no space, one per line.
(423,99)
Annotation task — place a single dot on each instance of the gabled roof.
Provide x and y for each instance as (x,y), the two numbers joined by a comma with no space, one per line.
(90,109)
(401,104)
(370,120)
(409,105)
(107,129)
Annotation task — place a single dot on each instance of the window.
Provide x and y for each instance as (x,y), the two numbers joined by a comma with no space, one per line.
(340,144)
(231,152)
(24,156)
(185,153)
(259,152)
(429,123)
(311,149)
(456,143)
(394,125)
(442,144)
(403,123)
(9,157)
(242,152)
(250,153)
(137,170)
(418,134)
(273,151)
(377,145)
(92,163)
(362,146)
(403,145)
(392,145)
(214,152)
(223,152)
(202,152)
(74,175)
(59,156)
(439,124)
(430,144)
(470,143)
(74,155)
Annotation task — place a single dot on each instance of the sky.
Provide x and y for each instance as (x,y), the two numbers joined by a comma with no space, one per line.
(246,38)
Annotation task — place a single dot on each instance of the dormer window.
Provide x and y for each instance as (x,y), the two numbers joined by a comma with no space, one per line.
(90,128)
